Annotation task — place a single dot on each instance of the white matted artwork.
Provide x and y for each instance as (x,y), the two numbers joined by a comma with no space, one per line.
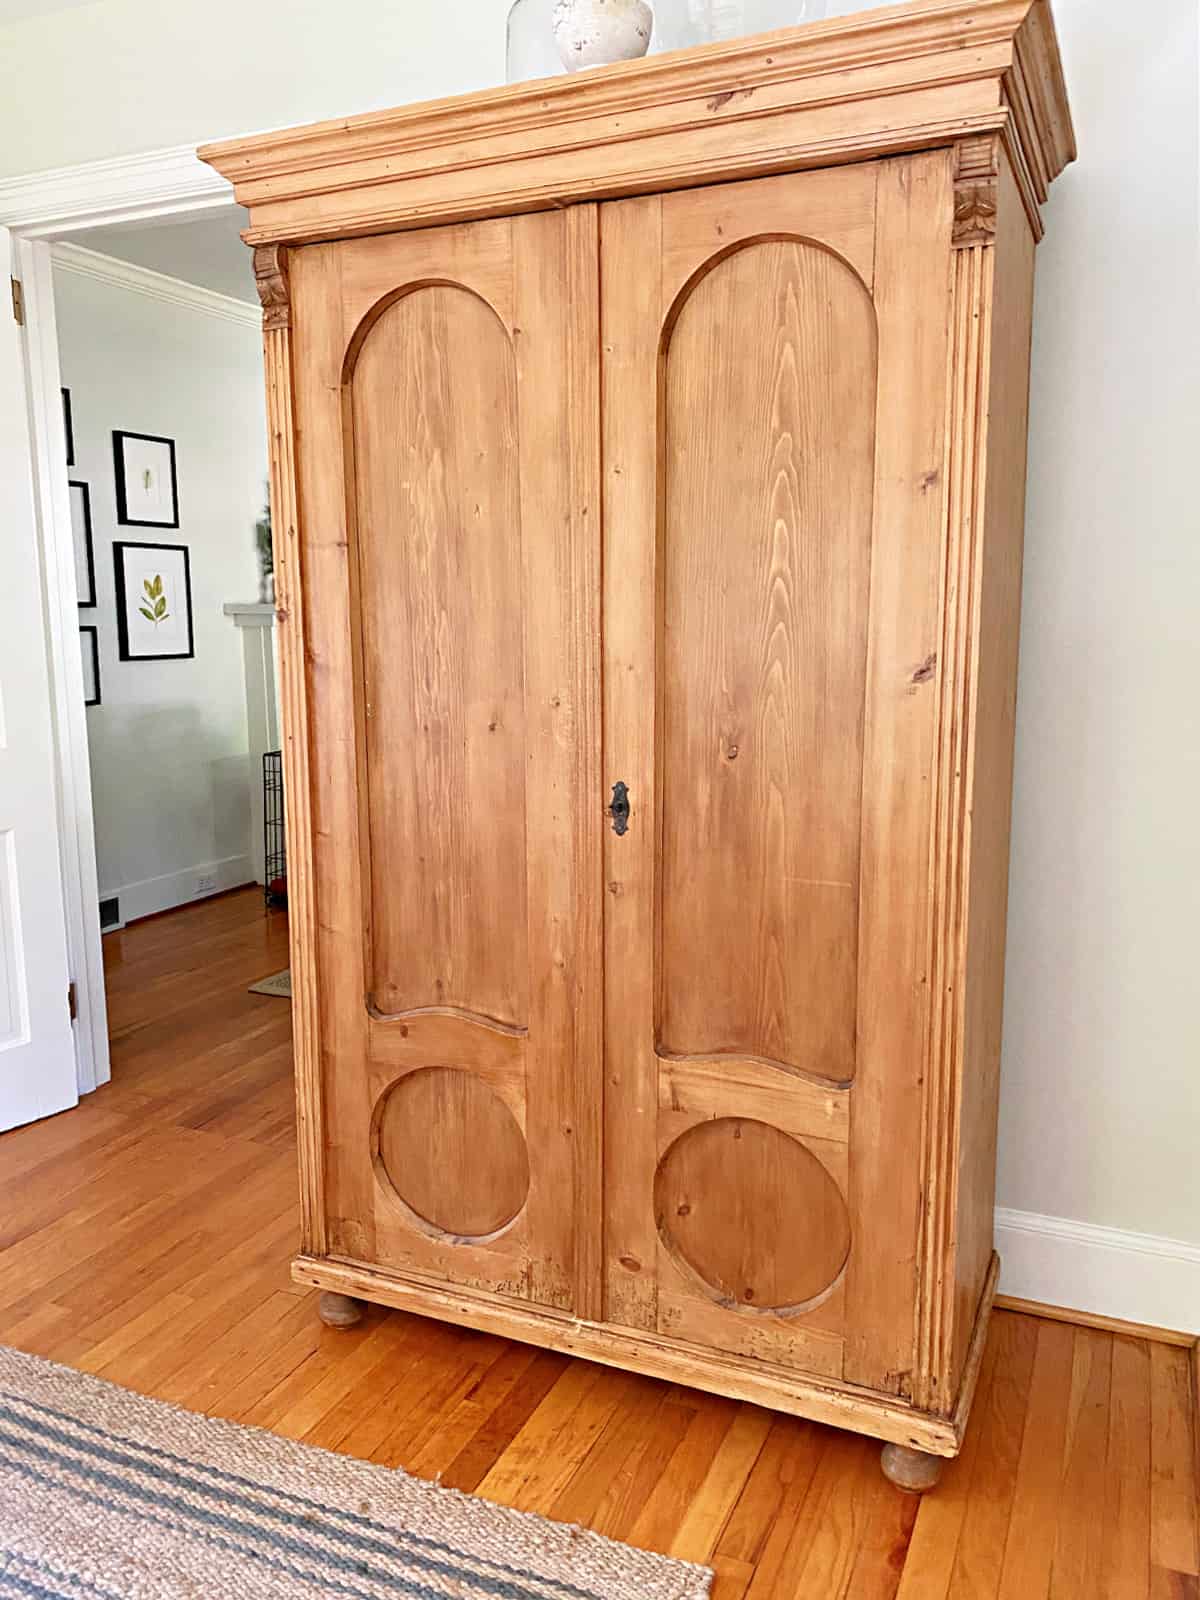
(81,529)
(154,601)
(147,491)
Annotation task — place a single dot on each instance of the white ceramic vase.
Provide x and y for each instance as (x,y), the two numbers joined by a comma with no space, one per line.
(591,33)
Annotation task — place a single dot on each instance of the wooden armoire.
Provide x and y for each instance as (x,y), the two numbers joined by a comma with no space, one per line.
(648,456)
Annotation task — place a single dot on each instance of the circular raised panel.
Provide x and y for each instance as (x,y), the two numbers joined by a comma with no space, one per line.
(453,1152)
(753,1213)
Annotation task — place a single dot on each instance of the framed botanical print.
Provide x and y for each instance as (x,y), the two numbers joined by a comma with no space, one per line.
(81,529)
(147,491)
(154,601)
(89,648)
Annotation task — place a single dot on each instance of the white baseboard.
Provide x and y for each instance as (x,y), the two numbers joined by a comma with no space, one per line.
(151,895)
(1138,1277)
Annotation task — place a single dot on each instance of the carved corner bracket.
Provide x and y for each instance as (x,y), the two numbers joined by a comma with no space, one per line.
(976,174)
(271,279)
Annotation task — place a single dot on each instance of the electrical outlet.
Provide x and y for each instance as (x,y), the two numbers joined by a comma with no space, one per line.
(206,883)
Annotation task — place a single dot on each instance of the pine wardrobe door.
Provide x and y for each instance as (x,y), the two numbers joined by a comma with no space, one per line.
(446,410)
(774,360)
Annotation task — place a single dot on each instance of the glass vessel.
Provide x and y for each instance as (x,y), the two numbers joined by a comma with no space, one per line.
(677,24)
(531,49)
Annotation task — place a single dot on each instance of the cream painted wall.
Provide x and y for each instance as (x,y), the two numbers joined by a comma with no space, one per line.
(120,76)
(168,743)
(1101,1086)
(1101,1083)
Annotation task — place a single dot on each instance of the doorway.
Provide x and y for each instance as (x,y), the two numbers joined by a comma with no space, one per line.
(142,374)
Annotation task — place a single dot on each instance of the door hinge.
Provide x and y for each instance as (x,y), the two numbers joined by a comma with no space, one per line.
(72,1003)
(18,295)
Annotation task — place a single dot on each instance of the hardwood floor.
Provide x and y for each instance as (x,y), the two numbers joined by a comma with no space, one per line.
(146,1236)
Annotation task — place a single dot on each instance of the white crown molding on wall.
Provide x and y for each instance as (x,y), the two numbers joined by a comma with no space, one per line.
(155,285)
(1109,1272)
(155,183)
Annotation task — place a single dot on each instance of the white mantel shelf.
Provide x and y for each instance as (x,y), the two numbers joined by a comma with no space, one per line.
(256,614)
(262,714)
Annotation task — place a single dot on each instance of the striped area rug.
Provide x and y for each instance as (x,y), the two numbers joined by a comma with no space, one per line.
(106,1495)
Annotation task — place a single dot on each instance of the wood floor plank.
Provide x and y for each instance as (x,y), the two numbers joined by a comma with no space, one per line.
(1125,1524)
(1033,1529)
(705,1519)
(147,1233)
(933,1549)
(566,1423)
(667,1505)
(481,1452)
(1173,1487)
(626,1434)
(883,1544)
(1078,1547)
(629,1490)
(774,1572)
(998,1428)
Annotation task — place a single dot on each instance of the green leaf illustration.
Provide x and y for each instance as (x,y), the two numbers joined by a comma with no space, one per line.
(156,598)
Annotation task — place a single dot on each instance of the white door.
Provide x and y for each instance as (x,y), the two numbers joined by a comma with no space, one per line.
(37,1056)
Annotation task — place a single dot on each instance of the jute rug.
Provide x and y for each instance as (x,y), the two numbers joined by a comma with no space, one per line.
(279,983)
(106,1495)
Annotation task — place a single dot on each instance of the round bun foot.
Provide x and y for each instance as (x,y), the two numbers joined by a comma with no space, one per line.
(339,1310)
(912,1470)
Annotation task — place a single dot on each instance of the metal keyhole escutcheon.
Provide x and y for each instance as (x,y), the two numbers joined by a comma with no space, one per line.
(619,810)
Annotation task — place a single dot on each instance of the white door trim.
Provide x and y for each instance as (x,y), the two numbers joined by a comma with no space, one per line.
(36,207)
(77,844)
(97,194)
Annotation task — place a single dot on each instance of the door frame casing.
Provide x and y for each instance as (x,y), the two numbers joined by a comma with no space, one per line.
(36,208)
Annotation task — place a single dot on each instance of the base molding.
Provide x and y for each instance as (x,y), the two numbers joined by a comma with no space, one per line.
(1109,1273)
(1089,1319)
(152,895)
(738,1377)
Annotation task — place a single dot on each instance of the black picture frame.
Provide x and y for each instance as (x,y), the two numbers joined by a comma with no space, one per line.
(68,427)
(123,650)
(123,517)
(89,637)
(77,483)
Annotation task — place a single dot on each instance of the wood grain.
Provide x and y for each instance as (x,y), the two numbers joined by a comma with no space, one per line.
(196,1133)
(850,89)
(433,416)
(768,419)
(291,649)
(436,1121)
(728,1191)
(714,494)
(456,851)
(999,515)
(887,1111)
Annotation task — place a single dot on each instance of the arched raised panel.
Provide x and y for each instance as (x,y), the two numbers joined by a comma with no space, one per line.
(434,488)
(767,427)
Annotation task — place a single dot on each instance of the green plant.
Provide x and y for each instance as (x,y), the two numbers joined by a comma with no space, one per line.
(154,606)
(266,557)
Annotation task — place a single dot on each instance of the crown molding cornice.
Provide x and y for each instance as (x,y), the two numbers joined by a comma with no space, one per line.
(853,88)
(121,189)
(154,285)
